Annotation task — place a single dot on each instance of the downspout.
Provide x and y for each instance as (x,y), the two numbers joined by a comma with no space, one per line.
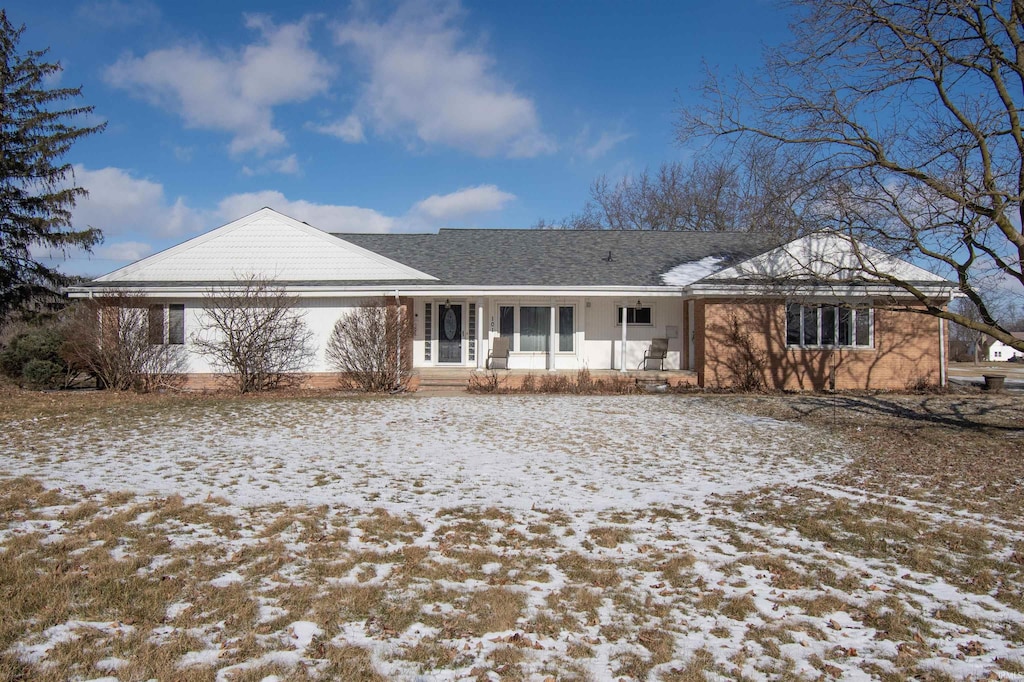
(942,353)
(398,341)
(622,360)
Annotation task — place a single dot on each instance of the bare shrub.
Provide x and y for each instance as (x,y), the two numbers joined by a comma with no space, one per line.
(253,331)
(485,382)
(369,345)
(108,338)
(554,383)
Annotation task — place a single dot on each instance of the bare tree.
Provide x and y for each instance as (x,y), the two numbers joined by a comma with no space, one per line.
(965,341)
(910,114)
(757,188)
(252,330)
(110,338)
(370,346)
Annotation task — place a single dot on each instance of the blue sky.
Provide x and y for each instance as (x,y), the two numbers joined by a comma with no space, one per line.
(405,116)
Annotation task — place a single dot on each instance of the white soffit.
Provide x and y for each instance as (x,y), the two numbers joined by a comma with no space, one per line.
(825,256)
(265,244)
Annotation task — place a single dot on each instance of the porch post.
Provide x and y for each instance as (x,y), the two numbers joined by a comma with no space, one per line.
(552,339)
(480,335)
(622,359)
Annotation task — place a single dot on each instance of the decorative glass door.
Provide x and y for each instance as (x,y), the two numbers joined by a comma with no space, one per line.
(449,333)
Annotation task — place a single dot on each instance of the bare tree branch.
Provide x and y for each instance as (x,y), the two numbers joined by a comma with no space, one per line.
(253,331)
(910,112)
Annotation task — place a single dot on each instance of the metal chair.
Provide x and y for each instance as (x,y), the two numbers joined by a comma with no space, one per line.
(498,357)
(654,357)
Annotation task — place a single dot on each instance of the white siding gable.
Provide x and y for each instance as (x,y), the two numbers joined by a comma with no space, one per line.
(825,256)
(266,244)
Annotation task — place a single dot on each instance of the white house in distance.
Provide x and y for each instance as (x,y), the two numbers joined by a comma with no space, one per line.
(558,297)
(1000,352)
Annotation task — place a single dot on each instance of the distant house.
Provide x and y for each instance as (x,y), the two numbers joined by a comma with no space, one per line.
(795,313)
(1000,352)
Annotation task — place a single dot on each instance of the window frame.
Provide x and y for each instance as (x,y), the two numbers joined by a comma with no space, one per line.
(515,337)
(633,308)
(842,316)
(545,318)
(558,331)
(168,329)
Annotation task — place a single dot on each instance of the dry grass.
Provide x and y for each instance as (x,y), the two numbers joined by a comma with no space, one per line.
(930,496)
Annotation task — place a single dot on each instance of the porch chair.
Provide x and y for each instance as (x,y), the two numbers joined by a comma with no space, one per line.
(654,357)
(498,357)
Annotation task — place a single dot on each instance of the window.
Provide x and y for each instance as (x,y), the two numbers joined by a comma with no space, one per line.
(635,316)
(817,325)
(176,324)
(166,324)
(566,332)
(534,328)
(507,325)
(472,333)
(428,329)
(156,325)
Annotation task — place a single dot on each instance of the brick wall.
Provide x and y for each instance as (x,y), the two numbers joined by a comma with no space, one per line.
(905,352)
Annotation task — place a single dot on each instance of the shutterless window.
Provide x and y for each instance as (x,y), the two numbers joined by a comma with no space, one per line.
(507,324)
(635,316)
(827,326)
(534,328)
(428,329)
(565,328)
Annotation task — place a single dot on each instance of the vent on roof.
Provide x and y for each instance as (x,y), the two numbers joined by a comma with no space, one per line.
(608,258)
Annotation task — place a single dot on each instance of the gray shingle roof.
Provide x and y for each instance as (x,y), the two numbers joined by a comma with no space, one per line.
(556,258)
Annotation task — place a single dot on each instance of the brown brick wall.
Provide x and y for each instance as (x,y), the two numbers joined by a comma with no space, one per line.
(905,352)
(223,382)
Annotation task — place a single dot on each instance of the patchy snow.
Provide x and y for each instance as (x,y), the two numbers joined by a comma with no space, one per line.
(660,468)
(685,274)
(63,633)
(176,609)
(229,578)
(111,663)
(302,633)
(576,453)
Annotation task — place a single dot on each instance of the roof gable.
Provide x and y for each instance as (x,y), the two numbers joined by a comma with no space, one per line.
(268,244)
(825,256)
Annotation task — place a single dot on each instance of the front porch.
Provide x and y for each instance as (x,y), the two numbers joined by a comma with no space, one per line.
(454,379)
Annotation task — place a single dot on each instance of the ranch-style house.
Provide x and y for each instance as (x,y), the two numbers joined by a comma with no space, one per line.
(799,313)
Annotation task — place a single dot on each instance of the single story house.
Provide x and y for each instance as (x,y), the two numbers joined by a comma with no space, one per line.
(796,315)
(1000,352)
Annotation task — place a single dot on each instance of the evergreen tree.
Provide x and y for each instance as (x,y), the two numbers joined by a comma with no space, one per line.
(37,190)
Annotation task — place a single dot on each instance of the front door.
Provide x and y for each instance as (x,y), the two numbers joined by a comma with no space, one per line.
(449,334)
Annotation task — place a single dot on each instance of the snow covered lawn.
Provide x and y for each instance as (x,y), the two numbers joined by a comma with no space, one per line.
(521,537)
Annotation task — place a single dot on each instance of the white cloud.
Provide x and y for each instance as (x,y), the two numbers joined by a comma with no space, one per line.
(233,92)
(123,251)
(591,149)
(425,81)
(288,165)
(119,204)
(349,129)
(462,203)
(183,154)
(327,217)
